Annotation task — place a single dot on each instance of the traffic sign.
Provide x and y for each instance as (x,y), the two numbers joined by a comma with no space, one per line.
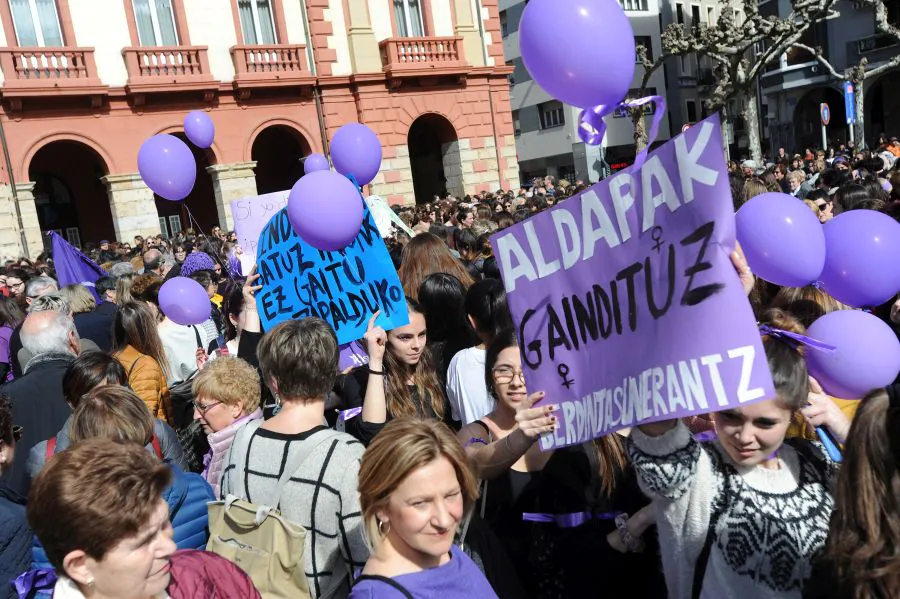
(685,127)
(825,113)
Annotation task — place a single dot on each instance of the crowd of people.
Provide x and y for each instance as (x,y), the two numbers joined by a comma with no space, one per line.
(139,456)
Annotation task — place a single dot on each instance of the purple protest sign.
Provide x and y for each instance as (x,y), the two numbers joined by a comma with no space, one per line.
(626,304)
(352,354)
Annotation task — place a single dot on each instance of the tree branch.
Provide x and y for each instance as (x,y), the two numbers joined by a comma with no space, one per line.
(817,53)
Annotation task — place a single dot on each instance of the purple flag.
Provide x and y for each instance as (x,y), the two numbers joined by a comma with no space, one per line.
(72,266)
(626,304)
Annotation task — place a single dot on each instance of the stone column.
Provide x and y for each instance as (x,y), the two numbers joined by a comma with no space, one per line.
(28,210)
(473,45)
(10,237)
(364,54)
(453,169)
(231,182)
(133,206)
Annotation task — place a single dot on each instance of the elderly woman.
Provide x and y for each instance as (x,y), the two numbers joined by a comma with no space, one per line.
(227,396)
(98,510)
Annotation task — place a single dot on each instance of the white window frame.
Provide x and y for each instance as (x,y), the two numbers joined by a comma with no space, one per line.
(154,22)
(699,15)
(634,5)
(407,17)
(710,16)
(552,118)
(73,236)
(163,226)
(174,225)
(254,10)
(36,23)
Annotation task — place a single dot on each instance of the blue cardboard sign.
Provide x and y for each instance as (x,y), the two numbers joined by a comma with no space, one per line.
(343,288)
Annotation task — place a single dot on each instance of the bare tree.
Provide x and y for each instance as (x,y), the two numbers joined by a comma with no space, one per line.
(859,73)
(739,46)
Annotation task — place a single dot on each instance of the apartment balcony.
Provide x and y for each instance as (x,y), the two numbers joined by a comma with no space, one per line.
(50,72)
(428,59)
(167,69)
(270,66)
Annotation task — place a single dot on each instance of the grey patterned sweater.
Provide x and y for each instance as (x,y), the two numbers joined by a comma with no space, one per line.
(771,524)
(321,496)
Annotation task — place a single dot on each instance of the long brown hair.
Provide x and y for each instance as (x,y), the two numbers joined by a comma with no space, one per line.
(863,545)
(398,396)
(135,326)
(426,254)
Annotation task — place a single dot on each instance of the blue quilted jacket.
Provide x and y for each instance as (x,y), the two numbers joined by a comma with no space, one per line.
(187,497)
(15,538)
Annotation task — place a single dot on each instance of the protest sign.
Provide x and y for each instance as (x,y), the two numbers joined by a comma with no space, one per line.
(251,215)
(343,288)
(626,305)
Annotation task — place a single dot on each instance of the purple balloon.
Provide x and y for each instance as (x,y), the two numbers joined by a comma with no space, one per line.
(862,260)
(355,150)
(326,210)
(184,301)
(167,166)
(592,63)
(315,162)
(782,239)
(199,129)
(867,355)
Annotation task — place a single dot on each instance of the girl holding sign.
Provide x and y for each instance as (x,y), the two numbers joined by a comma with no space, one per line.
(742,516)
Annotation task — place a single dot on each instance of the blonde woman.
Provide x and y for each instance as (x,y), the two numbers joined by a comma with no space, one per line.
(415,485)
(226,393)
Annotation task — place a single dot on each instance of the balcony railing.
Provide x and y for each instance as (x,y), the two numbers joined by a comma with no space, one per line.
(417,56)
(168,68)
(275,65)
(61,71)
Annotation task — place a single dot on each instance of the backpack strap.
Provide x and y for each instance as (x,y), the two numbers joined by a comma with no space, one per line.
(307,446)
(388,581)
(703,558)
(51,448)
(156,448)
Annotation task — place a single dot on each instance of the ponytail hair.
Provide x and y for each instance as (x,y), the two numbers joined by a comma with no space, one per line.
(785,358)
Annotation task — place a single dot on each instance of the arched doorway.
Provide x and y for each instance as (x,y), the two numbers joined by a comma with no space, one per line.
(434,158)
(69,195)
(173,216)
(808,120)
(278,151)
(882,107)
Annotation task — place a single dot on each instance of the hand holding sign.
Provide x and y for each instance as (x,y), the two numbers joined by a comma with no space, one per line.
(534,422)
(376,340)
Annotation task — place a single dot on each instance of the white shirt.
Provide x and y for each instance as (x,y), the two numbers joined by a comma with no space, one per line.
(180,344)
(466,388)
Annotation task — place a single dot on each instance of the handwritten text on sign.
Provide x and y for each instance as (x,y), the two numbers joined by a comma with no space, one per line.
(627,307)
(251,215)
(343,288)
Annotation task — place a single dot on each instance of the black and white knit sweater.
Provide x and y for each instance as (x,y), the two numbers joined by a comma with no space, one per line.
(321,496)
(772,522)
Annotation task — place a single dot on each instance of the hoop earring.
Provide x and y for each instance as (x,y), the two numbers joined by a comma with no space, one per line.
(381,530)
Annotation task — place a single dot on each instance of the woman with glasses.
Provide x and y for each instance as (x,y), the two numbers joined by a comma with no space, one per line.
(568,517)
(227,393)
(15,534)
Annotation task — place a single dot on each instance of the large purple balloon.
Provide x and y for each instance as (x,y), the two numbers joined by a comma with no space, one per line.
(326,210)
(199,129)
(867,355)
(862,259)
(315,162)
(782,239)
(167,167)
(355,150)
(184,301)
(591,63)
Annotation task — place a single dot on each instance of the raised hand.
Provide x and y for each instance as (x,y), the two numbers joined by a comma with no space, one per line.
(534,422)
(376,340)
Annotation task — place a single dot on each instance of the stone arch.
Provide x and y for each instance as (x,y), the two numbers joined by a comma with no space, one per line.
(69,194)
(49,138)
(807,123)
(278,151)
(313,140)
(434,157)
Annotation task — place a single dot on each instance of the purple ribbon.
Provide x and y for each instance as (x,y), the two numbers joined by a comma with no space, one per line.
(348,414)
(796,338)
(591,127)
(706,436)
(572,520)
(40,579)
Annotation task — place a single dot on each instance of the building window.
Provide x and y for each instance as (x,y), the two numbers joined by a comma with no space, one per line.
(517,127)
(257,23)
(634,5)
(710,16)
(155,22)
(162,226)
(409,18)
(679,14)
(36,22)
(695,15)
(504,24)
(73,236)
(552,114)
(174,225)
(691,111)
(647,42)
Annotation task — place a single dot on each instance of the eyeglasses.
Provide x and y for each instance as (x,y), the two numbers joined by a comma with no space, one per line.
(204,409)
(505,376)
(17,433)
(821,206)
